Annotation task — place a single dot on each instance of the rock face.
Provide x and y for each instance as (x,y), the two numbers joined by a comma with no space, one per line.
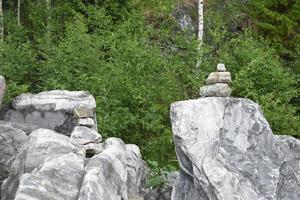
(57,110)
(11,141)
(226,150)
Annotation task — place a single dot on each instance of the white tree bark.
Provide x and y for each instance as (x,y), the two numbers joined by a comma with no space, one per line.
(200,31)
(200,20)
(1,22)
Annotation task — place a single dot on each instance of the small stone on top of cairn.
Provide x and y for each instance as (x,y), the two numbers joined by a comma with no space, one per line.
(217,83)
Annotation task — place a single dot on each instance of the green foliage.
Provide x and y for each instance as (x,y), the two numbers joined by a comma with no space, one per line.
(157,176)
(129,67)
(257,70)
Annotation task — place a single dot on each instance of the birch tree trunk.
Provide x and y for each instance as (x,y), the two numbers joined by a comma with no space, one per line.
(200,31)
(19,12)
(1,22)
(200,21)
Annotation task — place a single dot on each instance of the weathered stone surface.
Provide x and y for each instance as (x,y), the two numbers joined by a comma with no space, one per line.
(88,122)
(51,110)
(2,89)
(54,100)
(221,67)
(136,171)
(59,178)
(215,90)
(83,112)
(11,141)
(84,134)
(226,150)
(24,127)
(53,166)
(106,174)
(218,77)
(42,144)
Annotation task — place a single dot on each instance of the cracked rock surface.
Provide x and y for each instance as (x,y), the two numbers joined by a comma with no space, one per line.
(226,150)
(52,166)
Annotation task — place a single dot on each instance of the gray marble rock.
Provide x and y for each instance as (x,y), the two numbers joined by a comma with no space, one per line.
(136,171)
(24,127)
(54,100)
(11,141)
(218,77)
(85,134)
(221,67)
(88,122)
(51,166)
(215,90)
(106,175)
(226,150)
(51,110)
(59,178)
(83,112)
(42,144)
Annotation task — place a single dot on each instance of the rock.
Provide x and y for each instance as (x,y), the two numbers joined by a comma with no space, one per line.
(58,178)
(217,83)
(55,100)
(52,110)
(2,89)
(88,122)
(106,174)
(82,112)
(24,127)
(11,141)
(218,77)
(215,90)
(221,67)
(84,135)
(53,166)
(42,144)
(136,171)
(226,150)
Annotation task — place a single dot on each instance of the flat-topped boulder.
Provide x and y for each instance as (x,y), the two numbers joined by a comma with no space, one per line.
(226,150)
(58,110)
(55,100)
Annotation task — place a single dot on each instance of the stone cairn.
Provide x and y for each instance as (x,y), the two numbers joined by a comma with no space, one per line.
(217,83)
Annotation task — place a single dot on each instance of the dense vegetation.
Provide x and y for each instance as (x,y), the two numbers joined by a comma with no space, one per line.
(135,59)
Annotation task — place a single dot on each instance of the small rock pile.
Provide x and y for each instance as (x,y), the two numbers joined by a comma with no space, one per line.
(217,83)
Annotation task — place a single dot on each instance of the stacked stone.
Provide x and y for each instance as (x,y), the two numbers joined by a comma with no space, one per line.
(217,83)
(84,117)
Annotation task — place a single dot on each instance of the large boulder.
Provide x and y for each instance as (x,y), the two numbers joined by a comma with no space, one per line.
(226,150)
(41,145)
(58,110)
(11,141)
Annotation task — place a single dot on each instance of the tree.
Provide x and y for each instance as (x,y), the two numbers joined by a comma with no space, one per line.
(200,21)
(1,22)
(200,29)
